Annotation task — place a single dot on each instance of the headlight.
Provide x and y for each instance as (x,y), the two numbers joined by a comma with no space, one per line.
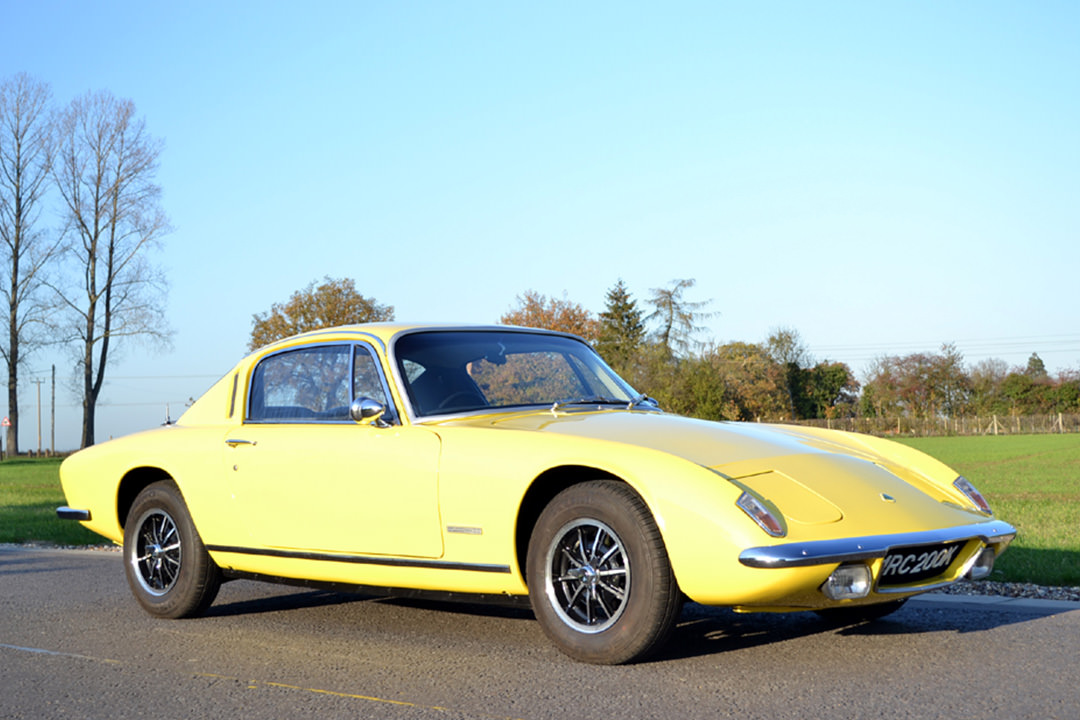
(961,483)
(983,564)
(847,582)
(760,514)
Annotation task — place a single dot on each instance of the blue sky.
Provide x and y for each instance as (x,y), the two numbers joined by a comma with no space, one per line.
(882,177)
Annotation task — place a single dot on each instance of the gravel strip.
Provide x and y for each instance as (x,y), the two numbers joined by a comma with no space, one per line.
(1014,590)
(109,547)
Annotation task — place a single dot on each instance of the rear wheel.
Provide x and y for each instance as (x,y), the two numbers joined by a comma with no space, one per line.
(600,582)
(168,568)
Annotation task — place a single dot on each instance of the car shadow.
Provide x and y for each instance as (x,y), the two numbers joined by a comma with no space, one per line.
(275,600)
(705,630)
(283,602)
(463,608)
(700,630)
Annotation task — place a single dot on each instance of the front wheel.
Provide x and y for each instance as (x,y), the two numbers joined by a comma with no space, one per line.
(167,566)
(600,582)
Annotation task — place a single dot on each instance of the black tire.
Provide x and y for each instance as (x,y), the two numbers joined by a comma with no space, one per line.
(860,613)
(599,578)
(167,566)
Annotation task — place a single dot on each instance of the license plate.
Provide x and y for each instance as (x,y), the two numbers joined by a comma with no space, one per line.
(913,564)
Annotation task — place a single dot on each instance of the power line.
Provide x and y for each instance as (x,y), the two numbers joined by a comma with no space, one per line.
(981,343)
(145,377)
(1044,345)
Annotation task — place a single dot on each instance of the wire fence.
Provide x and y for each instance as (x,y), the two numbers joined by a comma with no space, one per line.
(962,425)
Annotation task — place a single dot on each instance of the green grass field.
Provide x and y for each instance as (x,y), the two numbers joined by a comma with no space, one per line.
(1032,482)
(29,495)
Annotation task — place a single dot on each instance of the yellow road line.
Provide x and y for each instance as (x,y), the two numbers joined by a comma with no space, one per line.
(254,684)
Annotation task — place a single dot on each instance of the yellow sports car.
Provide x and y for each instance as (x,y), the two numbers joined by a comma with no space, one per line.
(508,464)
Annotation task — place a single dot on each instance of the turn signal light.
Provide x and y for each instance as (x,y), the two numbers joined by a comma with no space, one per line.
(964,485)
(760,514)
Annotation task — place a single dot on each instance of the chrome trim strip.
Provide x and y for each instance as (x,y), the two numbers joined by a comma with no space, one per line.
(415,418)
(464,530)
(66,513)
(392,415)
(337,330)
(361,559)
(826,552)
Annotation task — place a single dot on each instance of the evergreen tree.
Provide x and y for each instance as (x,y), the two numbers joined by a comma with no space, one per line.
(622,328)
(678,320)
(1036,368)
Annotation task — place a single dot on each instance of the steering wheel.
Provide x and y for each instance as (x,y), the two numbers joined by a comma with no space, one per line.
(453,399)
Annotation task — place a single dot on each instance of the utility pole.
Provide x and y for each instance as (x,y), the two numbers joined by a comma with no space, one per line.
(52,416)
(38,383)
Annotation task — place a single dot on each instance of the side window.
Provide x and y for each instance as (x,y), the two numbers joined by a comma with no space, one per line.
(304,385)
(367,380)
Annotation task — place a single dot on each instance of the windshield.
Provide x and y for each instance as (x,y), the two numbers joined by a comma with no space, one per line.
(457,371)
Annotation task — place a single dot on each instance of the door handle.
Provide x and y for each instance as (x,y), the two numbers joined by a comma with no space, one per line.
(233,442)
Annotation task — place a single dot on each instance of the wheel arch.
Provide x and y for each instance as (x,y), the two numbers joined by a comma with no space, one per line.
(541,492)
(694,509)
(134,482)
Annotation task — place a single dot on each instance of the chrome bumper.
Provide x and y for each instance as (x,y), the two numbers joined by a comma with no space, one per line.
(66,513)
(827,552)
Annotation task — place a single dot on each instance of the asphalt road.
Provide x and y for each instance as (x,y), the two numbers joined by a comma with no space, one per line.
(74,644)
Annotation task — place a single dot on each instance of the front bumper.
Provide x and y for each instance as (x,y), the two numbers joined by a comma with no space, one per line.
(871,547)
(66,513)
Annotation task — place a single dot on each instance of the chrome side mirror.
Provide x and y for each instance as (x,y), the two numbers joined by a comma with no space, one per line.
(366,411)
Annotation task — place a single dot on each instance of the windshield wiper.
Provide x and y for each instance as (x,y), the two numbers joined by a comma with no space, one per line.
(601,400)
(643,399)
(591,400)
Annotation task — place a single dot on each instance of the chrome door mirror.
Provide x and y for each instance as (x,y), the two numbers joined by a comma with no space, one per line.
(366,411)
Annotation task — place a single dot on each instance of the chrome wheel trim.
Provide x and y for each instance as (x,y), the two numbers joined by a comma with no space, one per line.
(587,576)
(158,553)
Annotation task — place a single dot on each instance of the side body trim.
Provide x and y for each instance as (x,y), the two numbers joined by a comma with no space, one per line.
(362,559)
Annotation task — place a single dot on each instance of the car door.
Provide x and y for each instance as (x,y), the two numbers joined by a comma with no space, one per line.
(307,477)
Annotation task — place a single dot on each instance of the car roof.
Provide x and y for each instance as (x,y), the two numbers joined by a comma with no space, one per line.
(385,332)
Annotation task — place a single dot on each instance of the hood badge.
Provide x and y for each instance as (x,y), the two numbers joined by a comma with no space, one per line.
(887,498)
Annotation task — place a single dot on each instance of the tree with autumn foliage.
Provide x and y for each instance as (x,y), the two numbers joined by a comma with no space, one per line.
(334,302)
(926,385)
(752,380)
(536,310)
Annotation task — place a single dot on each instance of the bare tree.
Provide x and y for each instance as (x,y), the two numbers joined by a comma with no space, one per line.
(104,170)
(25,160)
